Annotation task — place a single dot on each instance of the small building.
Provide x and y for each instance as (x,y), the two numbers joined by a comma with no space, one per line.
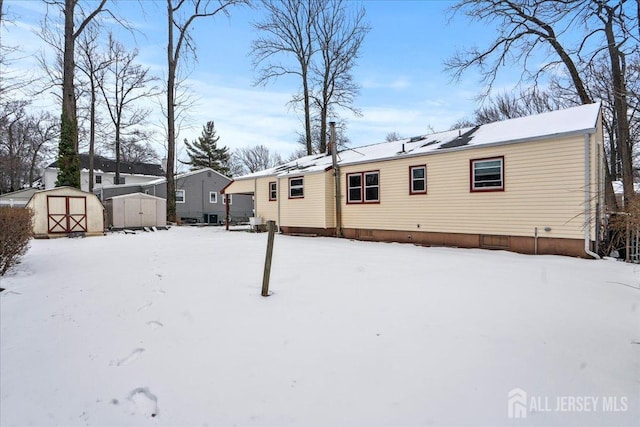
(532,184)
(64,210)
(136,210)
(17,199)
(104,173)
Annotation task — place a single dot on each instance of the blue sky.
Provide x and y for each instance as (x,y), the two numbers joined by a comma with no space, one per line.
(404,86)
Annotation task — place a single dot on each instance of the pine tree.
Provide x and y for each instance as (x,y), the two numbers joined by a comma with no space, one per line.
(204,152)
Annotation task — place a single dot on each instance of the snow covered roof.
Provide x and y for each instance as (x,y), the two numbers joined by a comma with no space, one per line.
(571,121)
(197,171)
(156,181)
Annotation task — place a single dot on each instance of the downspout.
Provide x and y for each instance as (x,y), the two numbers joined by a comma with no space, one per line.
(587,197)
(278,201)
(336,171)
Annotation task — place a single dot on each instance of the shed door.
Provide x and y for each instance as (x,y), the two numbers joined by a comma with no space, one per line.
(66,214)
(148,212)
(139,212)
(132,213)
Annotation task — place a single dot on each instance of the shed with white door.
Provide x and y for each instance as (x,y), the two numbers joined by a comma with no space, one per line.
(136,210)
(64,211)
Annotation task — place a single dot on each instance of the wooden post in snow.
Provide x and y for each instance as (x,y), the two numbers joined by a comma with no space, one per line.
(271,228)
(226,210)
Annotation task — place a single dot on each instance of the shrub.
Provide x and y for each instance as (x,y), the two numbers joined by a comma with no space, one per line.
(15,232)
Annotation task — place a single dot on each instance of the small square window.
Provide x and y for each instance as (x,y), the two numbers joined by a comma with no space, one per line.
(487,174)
(180,196)
(296,188)
(273,191)
(418,179)
(98,179)
(224,199)
(213,197)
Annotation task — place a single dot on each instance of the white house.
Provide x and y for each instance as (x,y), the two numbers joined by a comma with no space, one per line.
(105,173)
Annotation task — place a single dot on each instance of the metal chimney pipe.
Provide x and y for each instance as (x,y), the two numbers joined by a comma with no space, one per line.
(336,174)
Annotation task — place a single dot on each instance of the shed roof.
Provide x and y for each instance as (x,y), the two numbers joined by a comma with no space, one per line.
(570,121)
(136,195)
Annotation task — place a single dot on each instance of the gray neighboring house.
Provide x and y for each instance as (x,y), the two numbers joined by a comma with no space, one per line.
(156,187)
(198,198)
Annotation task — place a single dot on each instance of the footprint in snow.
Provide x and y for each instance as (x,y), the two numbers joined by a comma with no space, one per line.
(129,359)
(154,324)
(142,401)
(145,306)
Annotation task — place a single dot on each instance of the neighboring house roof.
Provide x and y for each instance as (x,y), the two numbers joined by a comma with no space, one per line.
(571,121)
(197,171)
(156,181)
(17,198)
(108,165)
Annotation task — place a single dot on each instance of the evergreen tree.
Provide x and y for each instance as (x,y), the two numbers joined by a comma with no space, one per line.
(68,160)
(204,152)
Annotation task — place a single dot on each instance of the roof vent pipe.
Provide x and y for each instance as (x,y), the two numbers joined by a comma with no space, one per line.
(336,177)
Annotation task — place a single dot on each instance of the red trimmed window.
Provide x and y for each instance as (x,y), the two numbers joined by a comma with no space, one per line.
(363,187)
(273,191)
(296,188)
(418,179)
(487,174)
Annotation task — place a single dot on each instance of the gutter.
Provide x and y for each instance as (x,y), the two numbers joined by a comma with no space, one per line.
(587,197)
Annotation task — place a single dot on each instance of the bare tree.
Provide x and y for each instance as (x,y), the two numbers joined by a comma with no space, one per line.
(256,158)
(181,15)
(288,29)
(550,26)
(24,141)
(123,84)
(68,161)
(92,64)
(393,136)
(136,150)
(324,37)
(339,31)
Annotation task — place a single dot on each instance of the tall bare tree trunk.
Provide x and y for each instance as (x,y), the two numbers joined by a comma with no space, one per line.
(620,104)
(171,130)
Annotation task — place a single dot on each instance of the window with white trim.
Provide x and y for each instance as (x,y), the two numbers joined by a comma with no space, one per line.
(180,196)
(98,179)
(273,190)
(213,197)
(224,199)
(418,177)
(487,174)
(363,187)
(296,188)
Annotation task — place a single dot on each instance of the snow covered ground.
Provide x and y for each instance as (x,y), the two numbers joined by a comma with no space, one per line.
(169,328)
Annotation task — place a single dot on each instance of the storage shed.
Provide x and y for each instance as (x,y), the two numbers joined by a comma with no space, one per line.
(64,210)
(136,210)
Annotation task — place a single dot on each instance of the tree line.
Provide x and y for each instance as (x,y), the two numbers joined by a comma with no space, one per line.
(568,52)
